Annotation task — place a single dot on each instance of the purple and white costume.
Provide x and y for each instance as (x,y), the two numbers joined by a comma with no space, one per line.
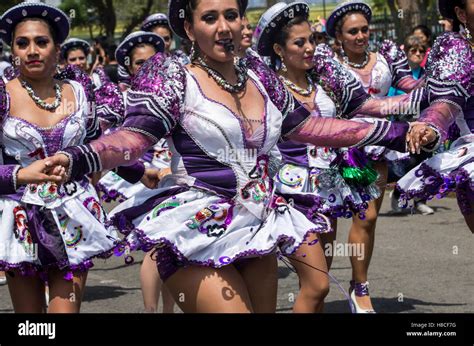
(390,69)
(311,175)
(219,205)
(111,104)
(450,85)
(45,226)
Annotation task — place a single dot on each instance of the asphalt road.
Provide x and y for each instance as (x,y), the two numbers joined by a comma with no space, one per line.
(421,264)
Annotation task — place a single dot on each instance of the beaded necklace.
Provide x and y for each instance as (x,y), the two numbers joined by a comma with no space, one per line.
(39,102)
(297,89)
(240,70)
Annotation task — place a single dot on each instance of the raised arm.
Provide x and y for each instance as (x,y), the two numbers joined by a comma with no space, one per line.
(349,95)
(336,133)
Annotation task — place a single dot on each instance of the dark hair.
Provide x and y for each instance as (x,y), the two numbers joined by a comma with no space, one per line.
(338,25)
(51,28)
(413,41)
(66,56)
(193,4)
(165,26)
(425,30)
(101,40)
(140,45)
(281,36)
(456,22)
(110,52)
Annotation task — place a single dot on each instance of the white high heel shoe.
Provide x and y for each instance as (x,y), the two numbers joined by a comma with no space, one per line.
(360,290)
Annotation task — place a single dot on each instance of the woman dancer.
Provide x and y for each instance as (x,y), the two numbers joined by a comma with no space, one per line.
(449,75)
(400,163)
(47,233)
(75,52)
(216,223)
(247,36)
(131,54)
(156,23)
(377,72)
(315,179)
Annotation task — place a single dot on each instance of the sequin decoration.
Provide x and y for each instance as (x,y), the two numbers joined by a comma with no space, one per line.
(48,192)
(212,220)
(164,206)
(260,185)
(95,209)
(22,232)
(290,175)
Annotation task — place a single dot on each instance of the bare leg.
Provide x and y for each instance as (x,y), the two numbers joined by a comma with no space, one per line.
(168,301)
(261,277)
(26,292)
(314,283)
(363,232)
(208,290)
(151,284)
(65,296)
(329,238)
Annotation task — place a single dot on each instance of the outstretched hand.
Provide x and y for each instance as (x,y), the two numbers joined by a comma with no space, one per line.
(419,135)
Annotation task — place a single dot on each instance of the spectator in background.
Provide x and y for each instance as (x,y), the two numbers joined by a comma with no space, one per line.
(426,36)
(111,64)
(416,50)
(319,30)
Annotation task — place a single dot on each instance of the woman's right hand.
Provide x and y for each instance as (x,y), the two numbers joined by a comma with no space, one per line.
(38,172)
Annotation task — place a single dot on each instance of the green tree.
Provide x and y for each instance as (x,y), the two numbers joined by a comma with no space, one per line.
(407,14)
(6,4)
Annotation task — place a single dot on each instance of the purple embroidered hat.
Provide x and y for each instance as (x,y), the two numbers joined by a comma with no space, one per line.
(344,8)
(134,39)
(177,14)
(446,8)
(75,43)
(33,9)
(273,20)
(155,19)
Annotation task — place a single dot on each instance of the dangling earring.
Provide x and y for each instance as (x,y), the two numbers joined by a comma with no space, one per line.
(283,66)
(468,32)
(193,53)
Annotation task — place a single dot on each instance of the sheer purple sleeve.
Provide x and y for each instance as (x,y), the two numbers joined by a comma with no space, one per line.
(449,81)
(406,106)
(397,61)
(76,74)
(343,88)
(110,107)
(120,148)
(336,133)
(154,104)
